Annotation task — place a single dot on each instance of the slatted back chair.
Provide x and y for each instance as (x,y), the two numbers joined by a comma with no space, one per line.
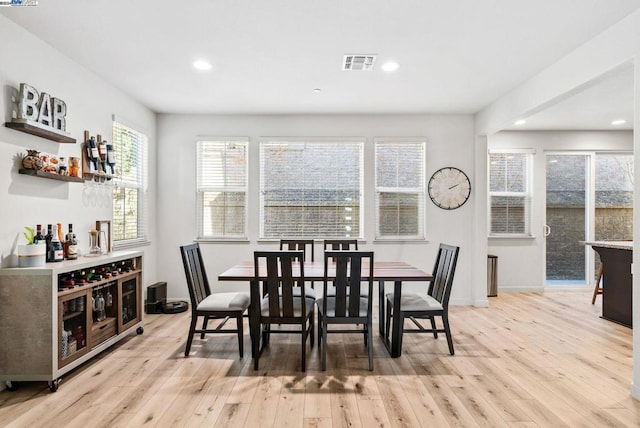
(304,245)
(434,303)
(285,301)
(210,305)
(351,303)
(340,244)
(307,247)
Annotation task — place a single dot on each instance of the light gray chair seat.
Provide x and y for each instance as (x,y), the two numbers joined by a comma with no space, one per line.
(225,302)
(415,302)
(297,306)
(331,306)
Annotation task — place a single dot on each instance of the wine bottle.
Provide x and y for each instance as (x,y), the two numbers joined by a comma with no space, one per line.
(48,239)
(111,159)
(102,150)
(71,245)
(39,236)
(56,252)
(92,154)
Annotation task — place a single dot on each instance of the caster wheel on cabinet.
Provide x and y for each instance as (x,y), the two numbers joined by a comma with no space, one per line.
(140,330)
(53,385)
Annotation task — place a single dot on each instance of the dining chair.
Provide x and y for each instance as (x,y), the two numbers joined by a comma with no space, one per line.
(210,305)
(434,303)
(285,301)
(340,244)
(307,247)
(304,245)
(350,304)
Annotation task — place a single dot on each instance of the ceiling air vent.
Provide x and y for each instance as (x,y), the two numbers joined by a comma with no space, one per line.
(358,62)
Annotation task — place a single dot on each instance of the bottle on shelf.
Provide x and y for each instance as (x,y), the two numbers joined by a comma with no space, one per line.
(102,151)
(71,245)
(111,159)
(47,239)
(92,154)
(39,236)
(56,252)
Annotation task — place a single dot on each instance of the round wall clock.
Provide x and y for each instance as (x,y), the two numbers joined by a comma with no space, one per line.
(449,188)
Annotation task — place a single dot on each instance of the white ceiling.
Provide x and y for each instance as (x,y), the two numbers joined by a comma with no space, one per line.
(268,56)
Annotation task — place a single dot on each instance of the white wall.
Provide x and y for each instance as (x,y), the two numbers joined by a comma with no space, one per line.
(91,102)
(513,274)
(449,142)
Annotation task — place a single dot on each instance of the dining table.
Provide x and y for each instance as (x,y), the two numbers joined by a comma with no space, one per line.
(383,271)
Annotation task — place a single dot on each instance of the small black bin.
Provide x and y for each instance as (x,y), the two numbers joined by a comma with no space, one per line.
(492,275)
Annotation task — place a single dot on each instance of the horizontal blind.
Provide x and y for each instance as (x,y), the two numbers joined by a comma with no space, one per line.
(400,189)
(130,185)
(510,193)
(222,188)
(311,189)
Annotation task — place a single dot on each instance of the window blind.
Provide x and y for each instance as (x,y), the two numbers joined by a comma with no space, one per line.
(400,189)
(311,189)
(222,188)
(510,193)
(130,185)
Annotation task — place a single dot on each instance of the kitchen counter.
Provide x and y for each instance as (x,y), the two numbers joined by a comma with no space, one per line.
(617,283)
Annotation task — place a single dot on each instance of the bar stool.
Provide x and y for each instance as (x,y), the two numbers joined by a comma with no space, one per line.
(597,289)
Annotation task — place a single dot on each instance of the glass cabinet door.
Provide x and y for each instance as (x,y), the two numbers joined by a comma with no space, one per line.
(74,315)
(130,302)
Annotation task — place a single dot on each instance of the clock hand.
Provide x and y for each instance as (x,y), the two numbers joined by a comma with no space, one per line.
(455,185)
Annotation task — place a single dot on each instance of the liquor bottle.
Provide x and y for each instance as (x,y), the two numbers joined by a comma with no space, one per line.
(56,253)
(111,159)
(71,245)
(39,236)
(47,239)
(102,150)
(92,154)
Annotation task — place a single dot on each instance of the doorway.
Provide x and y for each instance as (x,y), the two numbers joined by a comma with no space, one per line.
(589,196)
(567,217)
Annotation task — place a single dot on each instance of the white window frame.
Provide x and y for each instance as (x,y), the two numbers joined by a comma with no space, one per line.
(202,189)
(314,140)
(527,194)
(140,183)
(420,191)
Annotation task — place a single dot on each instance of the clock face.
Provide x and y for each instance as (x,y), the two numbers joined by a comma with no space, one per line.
(449,188)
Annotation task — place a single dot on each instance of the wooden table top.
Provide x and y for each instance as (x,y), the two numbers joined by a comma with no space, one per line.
(314,271)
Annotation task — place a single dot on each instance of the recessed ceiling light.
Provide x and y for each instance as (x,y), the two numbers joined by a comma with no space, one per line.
(519,122)
(317,90)
(202,65)
(618,122)
(390,66)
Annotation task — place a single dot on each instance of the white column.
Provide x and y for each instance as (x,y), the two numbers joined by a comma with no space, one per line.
(479,238)
(635,385)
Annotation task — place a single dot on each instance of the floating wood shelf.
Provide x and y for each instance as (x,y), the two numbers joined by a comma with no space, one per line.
(49,175)
(40,132)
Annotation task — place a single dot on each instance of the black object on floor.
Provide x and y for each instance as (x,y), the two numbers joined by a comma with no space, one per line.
(175,307)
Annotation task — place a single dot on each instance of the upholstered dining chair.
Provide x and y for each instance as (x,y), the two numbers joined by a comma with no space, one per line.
(307,248)
(350,304)
(285,301)
(433,303)
(340,244)
(207,305)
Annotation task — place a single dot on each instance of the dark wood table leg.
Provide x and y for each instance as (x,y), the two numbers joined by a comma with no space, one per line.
(254,318)
(396,336)
(381,308)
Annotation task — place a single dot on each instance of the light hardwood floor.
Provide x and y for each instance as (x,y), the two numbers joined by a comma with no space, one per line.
(529,360)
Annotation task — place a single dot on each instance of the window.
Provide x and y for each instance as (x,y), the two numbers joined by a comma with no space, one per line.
(510,192)
(311,189)
(130,186)
(222,188)
(400,190)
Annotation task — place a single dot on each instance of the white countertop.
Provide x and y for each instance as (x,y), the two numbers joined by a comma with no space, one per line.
(619,245)
(82,262)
